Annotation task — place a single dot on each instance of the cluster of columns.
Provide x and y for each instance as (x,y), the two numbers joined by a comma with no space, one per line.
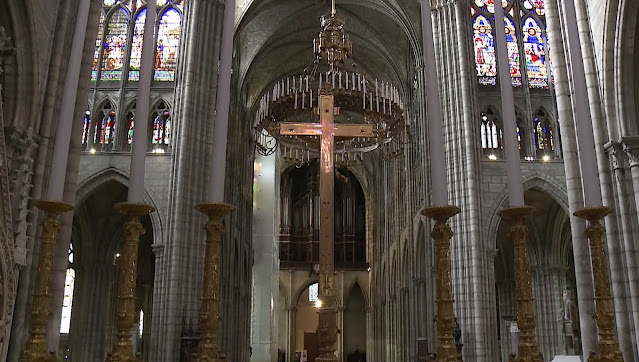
(36,348)
(516,214)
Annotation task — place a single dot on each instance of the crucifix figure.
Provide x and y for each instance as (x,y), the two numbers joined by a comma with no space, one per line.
(327,129)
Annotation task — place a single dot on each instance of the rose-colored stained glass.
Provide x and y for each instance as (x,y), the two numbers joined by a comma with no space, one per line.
(485,62)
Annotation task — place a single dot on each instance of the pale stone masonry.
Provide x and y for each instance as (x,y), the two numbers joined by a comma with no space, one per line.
(259,301)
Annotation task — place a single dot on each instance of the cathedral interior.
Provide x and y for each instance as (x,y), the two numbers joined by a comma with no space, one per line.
(84,60)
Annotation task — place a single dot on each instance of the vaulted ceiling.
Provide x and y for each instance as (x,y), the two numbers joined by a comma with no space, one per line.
(274,39)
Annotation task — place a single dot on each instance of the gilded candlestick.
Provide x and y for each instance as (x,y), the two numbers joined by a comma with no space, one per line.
(445,314)
(208,350)
(122,350)
(36,349)
(607,347)
(525,316)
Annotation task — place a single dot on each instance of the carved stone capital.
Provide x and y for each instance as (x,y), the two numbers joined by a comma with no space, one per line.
(631,147)
(616,154)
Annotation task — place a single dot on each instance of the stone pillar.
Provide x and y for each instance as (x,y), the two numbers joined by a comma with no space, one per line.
(197,71)
(631,147)
(292,333)
(581,252)
(266,264)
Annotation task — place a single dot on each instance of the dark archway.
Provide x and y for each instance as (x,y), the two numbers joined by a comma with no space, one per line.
(552,272)
(97,242)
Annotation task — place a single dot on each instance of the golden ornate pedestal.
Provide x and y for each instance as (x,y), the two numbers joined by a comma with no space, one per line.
(445,314)
(607,347)
(208,350)
(525,316)
(125,310)
(36,348)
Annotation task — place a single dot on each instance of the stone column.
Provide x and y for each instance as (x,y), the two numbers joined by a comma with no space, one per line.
(631,147)
(292,333)
(266,264)
(581,252)
(197,71)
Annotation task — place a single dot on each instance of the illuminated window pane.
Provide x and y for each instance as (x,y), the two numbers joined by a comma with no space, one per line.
(535,5)
(513,52)
(161,128)
(85,128)
(96,51)
(141,322)
(107,125)
(535,54)
(67,301)
(109,2)
(484,51)
(114,46)
(136,46)
(489,4)
(313,292)
(166,52)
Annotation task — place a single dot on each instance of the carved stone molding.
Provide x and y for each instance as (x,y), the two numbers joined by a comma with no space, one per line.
(631,147)
(616,154)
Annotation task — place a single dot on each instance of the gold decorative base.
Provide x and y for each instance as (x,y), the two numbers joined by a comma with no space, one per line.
(525,316)
(36,349)
(122,350)
(445,314)
(208,350)
(607,347)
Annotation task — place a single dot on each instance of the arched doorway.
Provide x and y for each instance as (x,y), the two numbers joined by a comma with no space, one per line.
(552,273)
(96,245)
(306,323)
(355,326)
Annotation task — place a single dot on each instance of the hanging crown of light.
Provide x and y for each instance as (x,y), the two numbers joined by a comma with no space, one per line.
(294,99)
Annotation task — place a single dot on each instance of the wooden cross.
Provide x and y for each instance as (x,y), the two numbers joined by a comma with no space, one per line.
(327,130)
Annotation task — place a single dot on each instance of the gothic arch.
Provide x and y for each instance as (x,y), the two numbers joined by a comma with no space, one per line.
(548,184)
(349,290)
(93,182)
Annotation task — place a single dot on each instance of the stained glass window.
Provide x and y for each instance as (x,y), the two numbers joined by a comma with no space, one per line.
(535,54)
(513,51)
(67,301)
(543,133)
(484,51)
(313,292)
(161,128)
(167,45)
(107,125)
(535,5)
(113,50)
(489,4)
(86,127)
(109,2)
(96,51)
(136,46)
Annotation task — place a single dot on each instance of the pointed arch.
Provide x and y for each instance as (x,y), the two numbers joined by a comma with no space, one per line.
(491,132)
